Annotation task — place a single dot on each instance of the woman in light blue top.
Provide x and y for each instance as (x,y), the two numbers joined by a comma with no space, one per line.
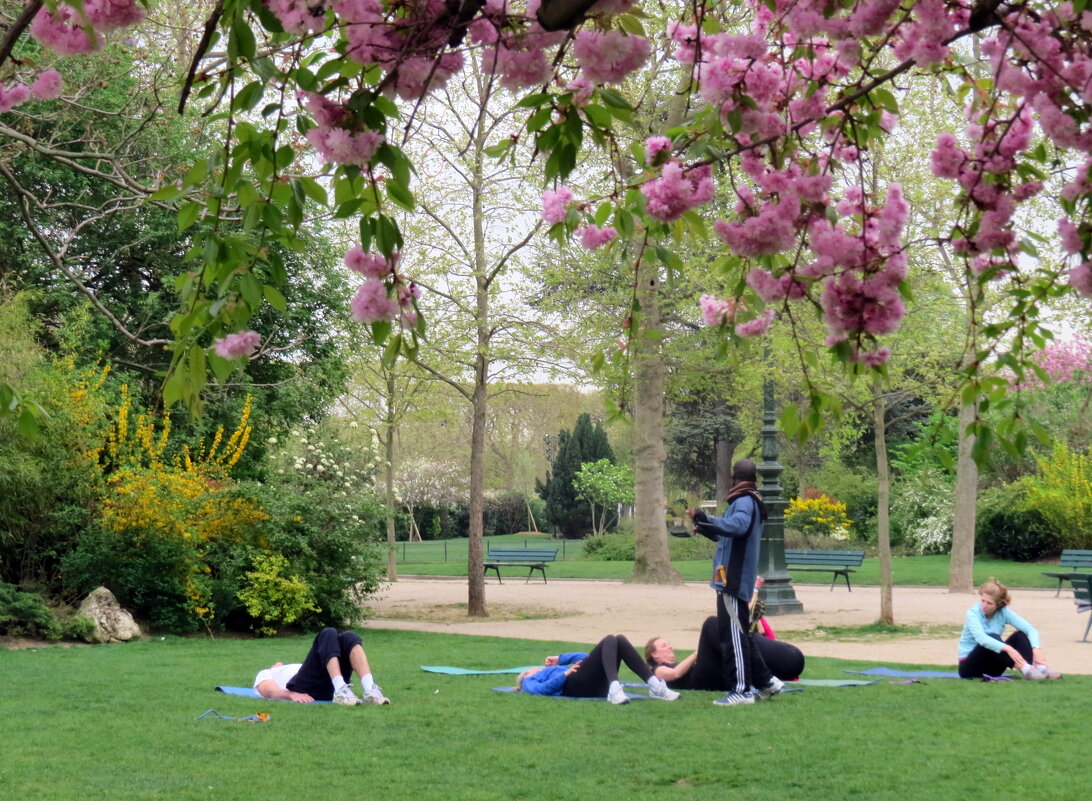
(982,652)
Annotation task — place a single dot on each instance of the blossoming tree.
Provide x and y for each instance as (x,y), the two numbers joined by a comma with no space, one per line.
(783,102)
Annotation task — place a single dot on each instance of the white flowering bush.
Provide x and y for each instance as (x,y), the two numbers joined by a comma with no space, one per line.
(921,511)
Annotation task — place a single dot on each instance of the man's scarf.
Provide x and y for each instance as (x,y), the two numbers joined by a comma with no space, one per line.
(741,488)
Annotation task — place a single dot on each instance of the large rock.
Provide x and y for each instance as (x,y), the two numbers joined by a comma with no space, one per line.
(112,623)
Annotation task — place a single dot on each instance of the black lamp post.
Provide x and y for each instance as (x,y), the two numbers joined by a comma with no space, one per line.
(777,593)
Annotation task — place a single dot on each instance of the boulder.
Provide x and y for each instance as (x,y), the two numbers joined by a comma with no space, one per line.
(112,623)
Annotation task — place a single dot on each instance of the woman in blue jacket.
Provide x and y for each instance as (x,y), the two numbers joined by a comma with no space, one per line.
(593,675)
(982,652)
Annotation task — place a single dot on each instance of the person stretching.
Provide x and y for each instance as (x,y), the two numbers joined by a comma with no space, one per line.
(981,650)
(593,675)
(324,673)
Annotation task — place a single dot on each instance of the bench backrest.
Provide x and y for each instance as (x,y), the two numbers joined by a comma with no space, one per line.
(799,556)
(1073,558)
(1082,588)
(522,554)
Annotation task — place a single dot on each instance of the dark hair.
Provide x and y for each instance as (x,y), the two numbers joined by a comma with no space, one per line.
(744,470)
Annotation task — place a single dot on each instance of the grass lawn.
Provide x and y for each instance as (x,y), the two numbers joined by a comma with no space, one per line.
(448,558)
(120,722)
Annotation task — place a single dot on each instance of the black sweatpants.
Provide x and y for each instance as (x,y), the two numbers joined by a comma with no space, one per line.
(741,663)
(313,678)
(600,668)
(984,662)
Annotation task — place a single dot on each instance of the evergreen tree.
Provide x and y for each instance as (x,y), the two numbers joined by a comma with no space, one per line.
(567,513)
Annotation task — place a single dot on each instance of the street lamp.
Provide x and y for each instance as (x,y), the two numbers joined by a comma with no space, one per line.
(777,593)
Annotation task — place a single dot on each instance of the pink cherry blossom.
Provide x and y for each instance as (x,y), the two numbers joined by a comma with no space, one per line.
(371,303)
(237,345)
(554,204)
(370,265)
(609,57)
(717,312)
(47,86)
(592,236)
(756,327)
(678,190)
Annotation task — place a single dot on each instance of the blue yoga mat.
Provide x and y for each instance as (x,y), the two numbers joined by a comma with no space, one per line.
(790,686)
(250,692)
(630,696)
(906,674)
(458,671)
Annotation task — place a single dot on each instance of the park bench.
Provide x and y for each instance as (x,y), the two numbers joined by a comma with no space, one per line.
(840,563)
(531,558)
(1082,597)
(1073,562)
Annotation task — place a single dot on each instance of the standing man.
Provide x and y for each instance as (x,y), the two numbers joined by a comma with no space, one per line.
(738,536)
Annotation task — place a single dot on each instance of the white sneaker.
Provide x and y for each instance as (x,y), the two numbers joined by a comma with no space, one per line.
(1031,672)
(1046,673)
(616,695)
(770,690)
(345,697)
(375,696)
(657,688)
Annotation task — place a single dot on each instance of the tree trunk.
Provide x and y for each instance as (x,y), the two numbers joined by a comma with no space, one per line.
(475,575)
(652,562)
(883,501)
(961,577)
(392,559)
(726,449)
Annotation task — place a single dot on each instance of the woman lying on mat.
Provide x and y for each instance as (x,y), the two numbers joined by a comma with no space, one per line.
(593,675)
(704,669)
(981,649)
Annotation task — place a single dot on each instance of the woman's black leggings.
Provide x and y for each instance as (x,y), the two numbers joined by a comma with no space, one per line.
(984,662)
(784,660)
(600,667)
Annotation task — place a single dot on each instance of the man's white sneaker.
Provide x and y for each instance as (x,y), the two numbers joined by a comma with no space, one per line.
(735,699)
(770,690)
(657,688)
(616,695)
(375,696)
(345,697)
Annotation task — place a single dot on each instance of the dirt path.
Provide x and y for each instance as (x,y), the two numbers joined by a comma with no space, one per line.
(583,611)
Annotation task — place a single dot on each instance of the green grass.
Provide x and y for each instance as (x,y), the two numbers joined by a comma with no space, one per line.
(120,722)
(427,559)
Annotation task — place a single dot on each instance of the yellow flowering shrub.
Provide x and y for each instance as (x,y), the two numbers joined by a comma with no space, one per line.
(818,515)
(1062,494)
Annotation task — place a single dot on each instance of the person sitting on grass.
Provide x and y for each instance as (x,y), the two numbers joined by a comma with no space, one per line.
(594,674)
(702,670)
(324,673)
(981,649)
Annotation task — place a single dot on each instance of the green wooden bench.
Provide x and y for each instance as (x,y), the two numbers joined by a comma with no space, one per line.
(531,558)
(840,563)
(1072,562)
(1082,597)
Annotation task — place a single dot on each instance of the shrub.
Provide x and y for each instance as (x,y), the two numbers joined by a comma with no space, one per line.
(1062,493)
(1007,528)
(620,547)
(858,490)
(25,614)
(818,515)
(921,510)
(273,598)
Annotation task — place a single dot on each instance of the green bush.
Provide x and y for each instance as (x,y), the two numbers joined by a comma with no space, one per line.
(858,490)
(25,614)
(1007,528)
(273,598)
(620,547)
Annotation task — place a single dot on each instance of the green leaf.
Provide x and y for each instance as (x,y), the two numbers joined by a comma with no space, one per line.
(400,194)
(188,215)
(275,298)
(166,193)
(27,423)
(533,101)
(498,150)
(390,353)
(614,98)
(251,290)
(221,368)
(248,97)
(241,42)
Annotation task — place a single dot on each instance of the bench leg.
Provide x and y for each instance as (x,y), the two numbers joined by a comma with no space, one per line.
(496,570)
(541,570)
(1059,592)
(1086,628)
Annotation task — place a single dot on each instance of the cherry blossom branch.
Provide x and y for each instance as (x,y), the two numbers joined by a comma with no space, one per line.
(17,27)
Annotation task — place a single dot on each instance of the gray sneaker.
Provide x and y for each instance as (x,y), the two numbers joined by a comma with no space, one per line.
(657,688)
(616,695)
(735,699)
(375,696)
(345,697)
(770,690)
